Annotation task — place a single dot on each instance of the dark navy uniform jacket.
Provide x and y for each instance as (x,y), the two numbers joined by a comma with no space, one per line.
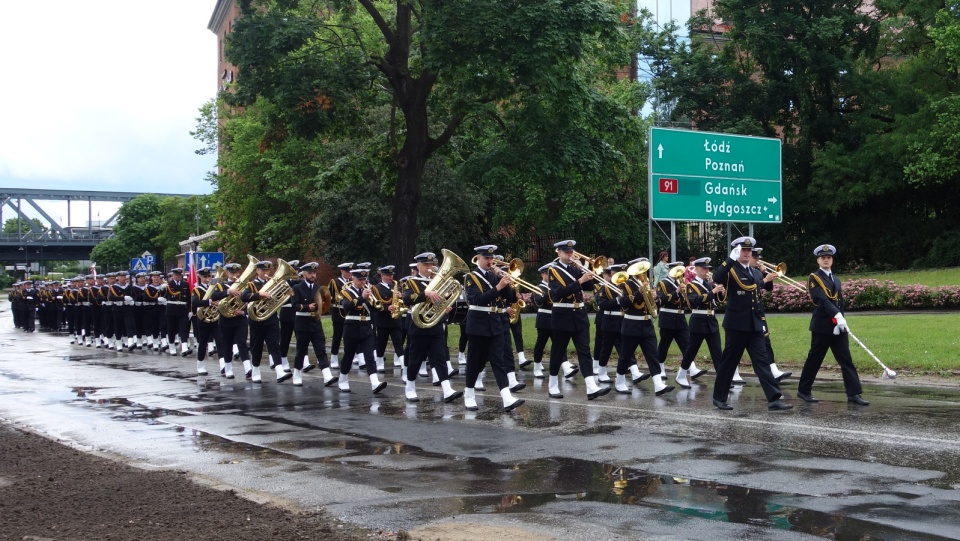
(481,290)
(303,296)
(744,287)
(702,298)
(827,298)
(569,314)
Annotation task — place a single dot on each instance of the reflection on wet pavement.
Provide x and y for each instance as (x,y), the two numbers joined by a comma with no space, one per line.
(829,469)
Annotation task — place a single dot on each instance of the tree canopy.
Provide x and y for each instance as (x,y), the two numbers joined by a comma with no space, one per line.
(387,128)
(863,97)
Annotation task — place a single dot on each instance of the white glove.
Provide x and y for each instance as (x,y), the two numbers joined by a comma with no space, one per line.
(162,300)
(29,298)
(841,324)
(59,297)
(735,253)
(127,298)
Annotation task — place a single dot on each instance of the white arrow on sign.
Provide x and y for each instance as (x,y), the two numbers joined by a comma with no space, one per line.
(146,254)
(772,200)
(203,261)
(660,150)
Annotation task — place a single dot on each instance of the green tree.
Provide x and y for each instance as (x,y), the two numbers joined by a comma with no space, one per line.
(13,226)
(449,81)
(181,218)
(862,100)
(141,226)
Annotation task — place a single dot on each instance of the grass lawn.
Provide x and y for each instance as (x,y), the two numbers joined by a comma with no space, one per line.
(929,277)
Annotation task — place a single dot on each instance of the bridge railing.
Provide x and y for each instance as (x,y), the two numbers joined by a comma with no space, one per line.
(78,237)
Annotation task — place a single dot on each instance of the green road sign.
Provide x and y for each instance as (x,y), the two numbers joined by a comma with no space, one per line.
(714,177)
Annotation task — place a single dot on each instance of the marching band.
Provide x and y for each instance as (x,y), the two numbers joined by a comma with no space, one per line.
(271,303)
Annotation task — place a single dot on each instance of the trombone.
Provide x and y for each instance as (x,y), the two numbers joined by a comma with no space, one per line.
(780,269)
(596,267)
(514,268)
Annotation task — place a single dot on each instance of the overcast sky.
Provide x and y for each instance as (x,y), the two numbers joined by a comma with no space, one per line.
(102,95)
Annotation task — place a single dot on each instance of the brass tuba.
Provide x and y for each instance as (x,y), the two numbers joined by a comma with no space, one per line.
(231,303)
(428,314)
(279,290)
(210,314)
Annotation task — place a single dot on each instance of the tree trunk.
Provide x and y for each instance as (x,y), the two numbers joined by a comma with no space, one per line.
(406,198)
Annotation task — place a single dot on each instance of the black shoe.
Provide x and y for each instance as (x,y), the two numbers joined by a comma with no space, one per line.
(223,372)
(807,397)
(855,399)
(518,387)
(641,378)
(382,386)
(516,404)
(436,383)
(699,373)
(556,395)
(665,390)
(331,381)
(453,397)
(284,377)
(308,368)
(249,374)
(288,371)
(416,399)
(573,372)
(721,405)
(455,372)
(779,405)
(601,392)
(473,408)
(525,364)
(784,376)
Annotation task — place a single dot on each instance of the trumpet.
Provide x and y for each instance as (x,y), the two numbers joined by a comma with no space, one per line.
(375,301)
(596,267)
(780,269)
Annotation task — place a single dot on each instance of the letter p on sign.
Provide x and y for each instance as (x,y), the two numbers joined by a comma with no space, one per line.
(668,185)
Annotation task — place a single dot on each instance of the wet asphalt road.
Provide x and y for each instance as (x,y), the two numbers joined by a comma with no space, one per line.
(622,467)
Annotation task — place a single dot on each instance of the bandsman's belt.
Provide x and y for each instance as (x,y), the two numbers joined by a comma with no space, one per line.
(703,312)
(614,314)
(85,303)
(138,304)
(176,302)
(285,306)
(544,311)
(357,318)
(637,318)
(573,305)
(671,311)
(310,314)
(491,309)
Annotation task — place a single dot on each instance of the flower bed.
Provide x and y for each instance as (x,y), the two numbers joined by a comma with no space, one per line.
(869,294)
